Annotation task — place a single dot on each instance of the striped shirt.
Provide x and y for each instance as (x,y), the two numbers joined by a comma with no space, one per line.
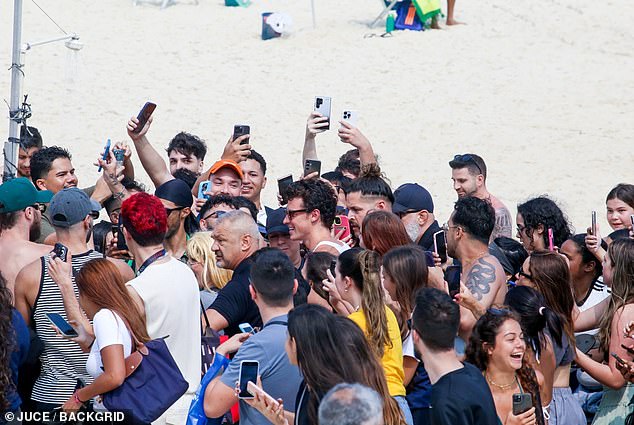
(63,362)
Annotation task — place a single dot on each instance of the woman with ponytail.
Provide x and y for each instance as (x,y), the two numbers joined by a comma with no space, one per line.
(497,347)
(543,327)
(357,280)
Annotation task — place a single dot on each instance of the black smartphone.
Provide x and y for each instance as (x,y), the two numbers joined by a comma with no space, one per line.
(282,186)
(144,115)
(522,403)
(452,277)
(58,321)
(333,268)
(241,130)
(322,105)
(248,373)
(121,244)
(440,244)
(312,166)
(618,358)
(594,223)
(60,251)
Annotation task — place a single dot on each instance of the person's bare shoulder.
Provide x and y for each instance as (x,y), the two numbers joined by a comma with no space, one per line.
(27,284)
(126,271)
(485,279)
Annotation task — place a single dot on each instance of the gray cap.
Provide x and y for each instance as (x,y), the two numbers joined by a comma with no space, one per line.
(70,206)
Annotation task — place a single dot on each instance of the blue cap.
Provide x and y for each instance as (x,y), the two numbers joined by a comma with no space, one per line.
(412,197)
(275,221)
(70,206)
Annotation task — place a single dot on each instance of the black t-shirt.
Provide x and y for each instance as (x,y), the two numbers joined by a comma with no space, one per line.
(234,301)
(426,240)
(462,397)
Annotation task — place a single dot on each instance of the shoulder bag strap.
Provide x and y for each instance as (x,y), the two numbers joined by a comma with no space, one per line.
(204,314)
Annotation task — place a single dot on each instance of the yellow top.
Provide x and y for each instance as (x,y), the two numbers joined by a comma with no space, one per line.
(392,356)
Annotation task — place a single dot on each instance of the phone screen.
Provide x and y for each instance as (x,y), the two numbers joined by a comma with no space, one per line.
(282,186)
(440,245)
(248,372)
(245,327)
(61,324)
(452,276)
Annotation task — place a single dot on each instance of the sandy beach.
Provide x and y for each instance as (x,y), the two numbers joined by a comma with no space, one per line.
(543,91)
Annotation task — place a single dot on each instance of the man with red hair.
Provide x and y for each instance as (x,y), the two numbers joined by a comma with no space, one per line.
(165,290)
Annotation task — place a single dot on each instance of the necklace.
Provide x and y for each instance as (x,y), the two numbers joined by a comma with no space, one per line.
(503,387)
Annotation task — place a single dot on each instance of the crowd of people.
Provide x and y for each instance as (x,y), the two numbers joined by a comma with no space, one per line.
(358,306)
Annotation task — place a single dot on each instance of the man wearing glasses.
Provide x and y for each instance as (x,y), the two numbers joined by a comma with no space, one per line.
(469,175)
(21,208)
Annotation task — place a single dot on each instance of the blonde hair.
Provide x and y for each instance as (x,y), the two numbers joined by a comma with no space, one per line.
(621,255)
(199,250)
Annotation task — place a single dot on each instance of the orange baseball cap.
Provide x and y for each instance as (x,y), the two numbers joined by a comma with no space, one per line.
(226,163)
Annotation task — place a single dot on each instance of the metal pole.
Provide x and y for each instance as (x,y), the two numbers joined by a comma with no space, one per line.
(312,7)
(11,146)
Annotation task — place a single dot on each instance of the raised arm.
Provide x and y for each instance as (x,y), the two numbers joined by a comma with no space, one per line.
(150,158)
(352,135)
(314,126)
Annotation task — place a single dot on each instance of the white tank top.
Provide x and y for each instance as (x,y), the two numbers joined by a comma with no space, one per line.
(340,248)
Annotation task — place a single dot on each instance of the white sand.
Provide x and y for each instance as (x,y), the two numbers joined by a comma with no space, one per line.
(542,90)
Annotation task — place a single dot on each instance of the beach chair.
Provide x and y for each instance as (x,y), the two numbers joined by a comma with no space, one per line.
(387,6)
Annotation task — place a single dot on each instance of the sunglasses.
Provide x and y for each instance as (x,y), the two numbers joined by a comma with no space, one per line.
(524,274)
(468,159)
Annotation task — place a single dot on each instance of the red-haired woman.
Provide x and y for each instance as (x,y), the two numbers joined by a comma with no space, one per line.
(382,231)
(116,322)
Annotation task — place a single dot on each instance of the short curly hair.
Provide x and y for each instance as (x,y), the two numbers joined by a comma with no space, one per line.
(188,144)
(543,210)
(476,216)
(316,195)
(144,217)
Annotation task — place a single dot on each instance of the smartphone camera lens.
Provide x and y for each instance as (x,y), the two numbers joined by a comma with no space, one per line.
(318,102)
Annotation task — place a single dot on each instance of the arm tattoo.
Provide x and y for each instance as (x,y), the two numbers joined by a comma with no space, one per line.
(480,278)
(502,224)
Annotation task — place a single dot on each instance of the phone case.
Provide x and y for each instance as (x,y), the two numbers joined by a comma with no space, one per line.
(144,115)
(241,130)
(351,117)
(282,186)
(202,188)
(322,105)
(521,403)
(312,166)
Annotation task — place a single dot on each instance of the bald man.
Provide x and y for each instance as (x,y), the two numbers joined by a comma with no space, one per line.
(236,239)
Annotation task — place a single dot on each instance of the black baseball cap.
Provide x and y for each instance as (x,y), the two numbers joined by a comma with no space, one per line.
(275,221)
(412,197)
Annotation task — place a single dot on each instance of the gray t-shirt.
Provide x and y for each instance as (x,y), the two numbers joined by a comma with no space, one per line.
(279,378)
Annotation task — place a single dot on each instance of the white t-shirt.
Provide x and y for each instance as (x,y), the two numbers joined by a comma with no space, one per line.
(598,293)
(408,347)
(170,295)
(109,330)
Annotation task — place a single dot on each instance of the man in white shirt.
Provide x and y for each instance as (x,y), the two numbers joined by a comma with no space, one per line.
(166,291)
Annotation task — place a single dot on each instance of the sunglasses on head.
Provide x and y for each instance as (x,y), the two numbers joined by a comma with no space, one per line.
(468,159)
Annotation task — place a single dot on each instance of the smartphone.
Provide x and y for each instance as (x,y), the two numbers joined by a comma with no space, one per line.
(551,240)
(144,115)
(322,105)
(248,373)
(64,327)
(351,117)
(121,243)
(522,403)
(452,276)
(594,223)
(440,244)
(312,166)
(632,221)
(254,389)
(60,251)
(106,154)
(241,130)
(618,359)
(333,268)
(202,188)
(282,187)
(246,328)
(342,223)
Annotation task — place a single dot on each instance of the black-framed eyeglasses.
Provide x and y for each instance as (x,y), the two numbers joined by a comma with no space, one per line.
(520,229)
(215,214)
(40,207)
(468,159)
(524,274)
(168,211)
(446,227)
(404,213)
(291,213)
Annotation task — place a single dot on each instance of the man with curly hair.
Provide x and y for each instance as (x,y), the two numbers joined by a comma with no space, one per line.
(310,214)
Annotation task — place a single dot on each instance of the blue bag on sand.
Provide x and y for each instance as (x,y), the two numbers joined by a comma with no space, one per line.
(407,18)
(196,415)
(152,385)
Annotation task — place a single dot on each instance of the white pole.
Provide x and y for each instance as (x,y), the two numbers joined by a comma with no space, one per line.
(12,144)
(312,6)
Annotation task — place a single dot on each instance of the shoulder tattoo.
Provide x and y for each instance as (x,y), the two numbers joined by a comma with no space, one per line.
(480,278)
(502,223)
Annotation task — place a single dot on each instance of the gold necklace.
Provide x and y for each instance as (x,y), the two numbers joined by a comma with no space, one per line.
(503,387)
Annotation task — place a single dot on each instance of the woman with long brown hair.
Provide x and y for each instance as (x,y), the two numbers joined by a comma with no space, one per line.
(382,231)
(358,282)
(117,324)
(618,272)
(549,274)
(328,350)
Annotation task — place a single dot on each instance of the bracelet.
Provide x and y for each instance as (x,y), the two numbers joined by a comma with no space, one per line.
(224,362)
(76,398)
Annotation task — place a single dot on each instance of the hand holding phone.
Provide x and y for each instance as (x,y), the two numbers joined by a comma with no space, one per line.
(246,328)
(351,117)
(248,373)
(322,105)
(342,224)
(618,358)
(452,277)
(268,399)
(522,403)
(144,115)
(594,223)
(202,188)
(62,325)
(60,251)
(312,166)
(240,130)
(440,245)
(282,187)
(106,154)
